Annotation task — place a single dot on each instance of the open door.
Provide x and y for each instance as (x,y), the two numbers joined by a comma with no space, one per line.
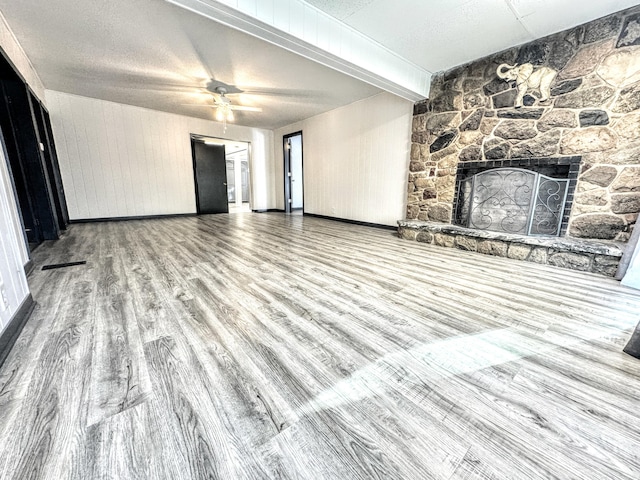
(210,171)
(47,145)
(293,180)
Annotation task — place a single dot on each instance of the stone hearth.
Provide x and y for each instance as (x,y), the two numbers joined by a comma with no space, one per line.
(600,257)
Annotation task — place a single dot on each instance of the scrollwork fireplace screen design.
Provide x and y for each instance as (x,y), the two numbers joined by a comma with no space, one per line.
(513,200)
(526,196)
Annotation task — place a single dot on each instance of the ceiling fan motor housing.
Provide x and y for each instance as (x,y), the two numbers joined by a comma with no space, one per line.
(223,99)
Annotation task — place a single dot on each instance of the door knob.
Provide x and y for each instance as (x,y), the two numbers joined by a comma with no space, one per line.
(224,183)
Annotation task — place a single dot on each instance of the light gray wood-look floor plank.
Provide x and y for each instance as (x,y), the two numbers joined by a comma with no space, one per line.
(271,346)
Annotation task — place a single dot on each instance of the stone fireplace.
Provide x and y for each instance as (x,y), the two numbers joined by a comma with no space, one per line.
(564,111)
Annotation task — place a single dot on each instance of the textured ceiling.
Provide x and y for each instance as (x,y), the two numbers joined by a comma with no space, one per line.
(153,54)
(440,34)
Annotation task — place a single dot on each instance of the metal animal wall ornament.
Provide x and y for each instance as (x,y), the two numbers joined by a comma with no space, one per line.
(527,78)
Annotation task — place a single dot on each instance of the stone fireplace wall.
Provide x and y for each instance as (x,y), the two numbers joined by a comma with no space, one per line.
(593,112)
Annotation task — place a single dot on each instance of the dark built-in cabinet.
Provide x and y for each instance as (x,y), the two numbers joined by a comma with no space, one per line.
(31,156)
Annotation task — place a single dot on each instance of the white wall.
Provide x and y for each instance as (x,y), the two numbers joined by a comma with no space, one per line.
(355,160)
(13,282)
(121,161)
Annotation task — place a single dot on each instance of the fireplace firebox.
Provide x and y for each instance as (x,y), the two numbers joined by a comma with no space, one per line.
(531,196)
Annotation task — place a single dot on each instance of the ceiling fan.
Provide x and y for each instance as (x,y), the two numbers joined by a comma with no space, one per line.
(222,103)
(224,107)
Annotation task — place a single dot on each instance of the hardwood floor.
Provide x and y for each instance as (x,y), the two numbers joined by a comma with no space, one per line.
(265,346)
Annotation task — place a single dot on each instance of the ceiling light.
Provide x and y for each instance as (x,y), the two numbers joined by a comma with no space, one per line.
(224,114)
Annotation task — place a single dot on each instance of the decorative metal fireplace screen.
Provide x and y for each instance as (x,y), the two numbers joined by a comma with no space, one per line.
(513,200)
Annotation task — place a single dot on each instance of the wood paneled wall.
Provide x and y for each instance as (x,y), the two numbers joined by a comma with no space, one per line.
(13,253)
(355,160)
(123,161)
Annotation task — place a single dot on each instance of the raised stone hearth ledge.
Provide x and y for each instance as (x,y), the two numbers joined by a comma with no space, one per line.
(596,256)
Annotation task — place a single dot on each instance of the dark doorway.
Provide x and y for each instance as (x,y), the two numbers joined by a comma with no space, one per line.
(293,173)
(31,157)
(210,172)
(47,145)
(18,176)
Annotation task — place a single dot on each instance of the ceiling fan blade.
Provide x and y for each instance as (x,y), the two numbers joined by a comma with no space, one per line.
(283,92)
(231,107)
(246,109)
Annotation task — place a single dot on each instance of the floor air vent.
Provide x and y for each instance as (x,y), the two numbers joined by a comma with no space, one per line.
(62,265)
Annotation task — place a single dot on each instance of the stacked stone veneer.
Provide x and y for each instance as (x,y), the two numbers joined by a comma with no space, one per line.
(594,112)
(599,257)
